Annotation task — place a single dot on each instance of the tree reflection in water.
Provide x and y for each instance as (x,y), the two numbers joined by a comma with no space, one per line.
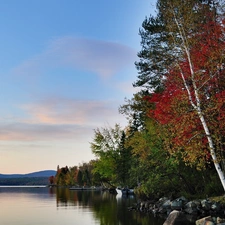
(107,208)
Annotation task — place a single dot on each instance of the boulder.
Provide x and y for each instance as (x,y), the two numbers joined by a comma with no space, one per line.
(191,208)
(174,217)
(162,206)
(181,211)
(166,204)
(178,203)
(220,221)
(206,204)
(205,221)
(216,207)
(165,207)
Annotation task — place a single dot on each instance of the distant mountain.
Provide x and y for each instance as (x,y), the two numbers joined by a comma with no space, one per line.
(44,173)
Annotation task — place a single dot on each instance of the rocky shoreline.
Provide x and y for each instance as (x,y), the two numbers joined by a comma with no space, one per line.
(183,211)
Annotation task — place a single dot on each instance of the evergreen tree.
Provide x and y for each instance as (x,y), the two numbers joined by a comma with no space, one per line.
(182,60)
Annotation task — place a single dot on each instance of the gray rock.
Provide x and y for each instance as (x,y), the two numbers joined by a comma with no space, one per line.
(166,204)
(206,204)
(191,208)
(216,206)
(162,210)
(174,217)
(205,221)
(220,220)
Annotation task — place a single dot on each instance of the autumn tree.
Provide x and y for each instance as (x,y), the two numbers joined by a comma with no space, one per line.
(51,180)
(145,138)
(66,176)
(182,64)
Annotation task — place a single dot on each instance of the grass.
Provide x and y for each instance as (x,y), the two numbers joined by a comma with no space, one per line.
(220,199)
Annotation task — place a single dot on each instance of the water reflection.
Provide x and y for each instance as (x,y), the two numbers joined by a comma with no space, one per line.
(58,206)
(108,209)
(66,197)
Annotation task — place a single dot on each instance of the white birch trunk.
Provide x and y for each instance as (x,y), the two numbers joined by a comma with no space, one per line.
(196,103)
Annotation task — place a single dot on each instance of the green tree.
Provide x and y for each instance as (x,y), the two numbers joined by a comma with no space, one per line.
(136,110)
(124,164)
(106,145)
(80,178)
(72,175)
(87,175)
(186,40)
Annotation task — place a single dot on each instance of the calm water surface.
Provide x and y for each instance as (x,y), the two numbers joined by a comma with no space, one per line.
(47,206)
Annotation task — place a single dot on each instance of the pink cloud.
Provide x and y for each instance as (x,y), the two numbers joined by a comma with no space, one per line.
(61,119)
(70,111)
(43,132)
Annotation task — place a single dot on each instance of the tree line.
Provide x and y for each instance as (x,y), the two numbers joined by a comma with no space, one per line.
(174,141)
(75,176)
(24,181)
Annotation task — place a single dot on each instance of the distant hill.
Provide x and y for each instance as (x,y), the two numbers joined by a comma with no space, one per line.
(44,173)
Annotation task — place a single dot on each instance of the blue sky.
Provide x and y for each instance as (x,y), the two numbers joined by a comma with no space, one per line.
(65,67)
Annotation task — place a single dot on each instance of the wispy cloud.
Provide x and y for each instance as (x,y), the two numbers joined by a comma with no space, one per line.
(66,118)
(101,57)
(70,111)
(31,132)
(61,119)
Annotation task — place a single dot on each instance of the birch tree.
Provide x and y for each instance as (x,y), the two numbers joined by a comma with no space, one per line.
(185,43)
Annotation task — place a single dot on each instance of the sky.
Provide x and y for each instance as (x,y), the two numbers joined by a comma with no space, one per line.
(65,68)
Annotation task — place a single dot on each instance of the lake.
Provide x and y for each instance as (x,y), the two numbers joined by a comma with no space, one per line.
(61,206)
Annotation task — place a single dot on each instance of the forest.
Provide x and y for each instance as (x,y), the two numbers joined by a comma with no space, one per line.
(20,181)
(174,141)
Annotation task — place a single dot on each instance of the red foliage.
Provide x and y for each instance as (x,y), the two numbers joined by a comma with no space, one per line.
(164,102)
(172,105)
(51,179)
